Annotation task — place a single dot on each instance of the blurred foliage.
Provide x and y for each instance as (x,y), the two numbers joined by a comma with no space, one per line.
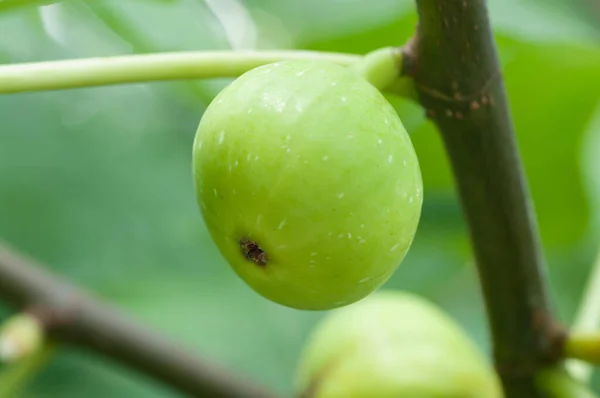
(97,182)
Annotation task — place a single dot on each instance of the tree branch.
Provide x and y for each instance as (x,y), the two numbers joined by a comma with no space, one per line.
(454,64)
(72,317)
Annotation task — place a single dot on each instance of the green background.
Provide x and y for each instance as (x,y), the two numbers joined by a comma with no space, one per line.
(96,182)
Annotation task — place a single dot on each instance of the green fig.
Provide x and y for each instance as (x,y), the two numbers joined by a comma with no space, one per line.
(307,182)
(393,344)
(20,336)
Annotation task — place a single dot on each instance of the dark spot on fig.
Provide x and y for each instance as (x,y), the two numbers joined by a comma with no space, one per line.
(252,251)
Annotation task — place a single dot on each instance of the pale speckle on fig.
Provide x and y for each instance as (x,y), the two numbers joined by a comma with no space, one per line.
(394,247)
(221,137)
(280,106)
(282,224)
(309,201)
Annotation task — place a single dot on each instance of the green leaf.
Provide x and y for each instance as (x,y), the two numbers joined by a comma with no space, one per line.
(97,182)
(552,99)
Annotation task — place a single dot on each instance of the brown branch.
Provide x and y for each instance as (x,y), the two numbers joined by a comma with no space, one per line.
(74,318)
(454,64)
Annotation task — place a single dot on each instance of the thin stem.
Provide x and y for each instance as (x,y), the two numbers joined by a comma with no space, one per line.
(14,377)
(380,67)
(119,23)
(67,74)
(587,319)
(454,63)
(70,316)
(584,346)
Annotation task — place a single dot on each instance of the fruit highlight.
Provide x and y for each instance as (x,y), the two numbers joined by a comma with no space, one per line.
(308,183)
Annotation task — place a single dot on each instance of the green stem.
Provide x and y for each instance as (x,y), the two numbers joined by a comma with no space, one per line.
(139,43)
(15,376)
(586,320)
(583,346)
(66,74)
(380,67)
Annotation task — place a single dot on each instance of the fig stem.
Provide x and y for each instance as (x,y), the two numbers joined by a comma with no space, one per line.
(139,68)
(383,69)
(586,319)
(584,346)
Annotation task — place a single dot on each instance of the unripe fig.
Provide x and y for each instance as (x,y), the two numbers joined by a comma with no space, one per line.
(308,183)
(20,336)
(393,344)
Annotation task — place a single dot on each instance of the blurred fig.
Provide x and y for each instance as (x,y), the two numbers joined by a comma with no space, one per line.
(393,344)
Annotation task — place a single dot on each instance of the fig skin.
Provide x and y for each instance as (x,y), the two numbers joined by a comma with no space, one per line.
(393,344)
(307,182)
